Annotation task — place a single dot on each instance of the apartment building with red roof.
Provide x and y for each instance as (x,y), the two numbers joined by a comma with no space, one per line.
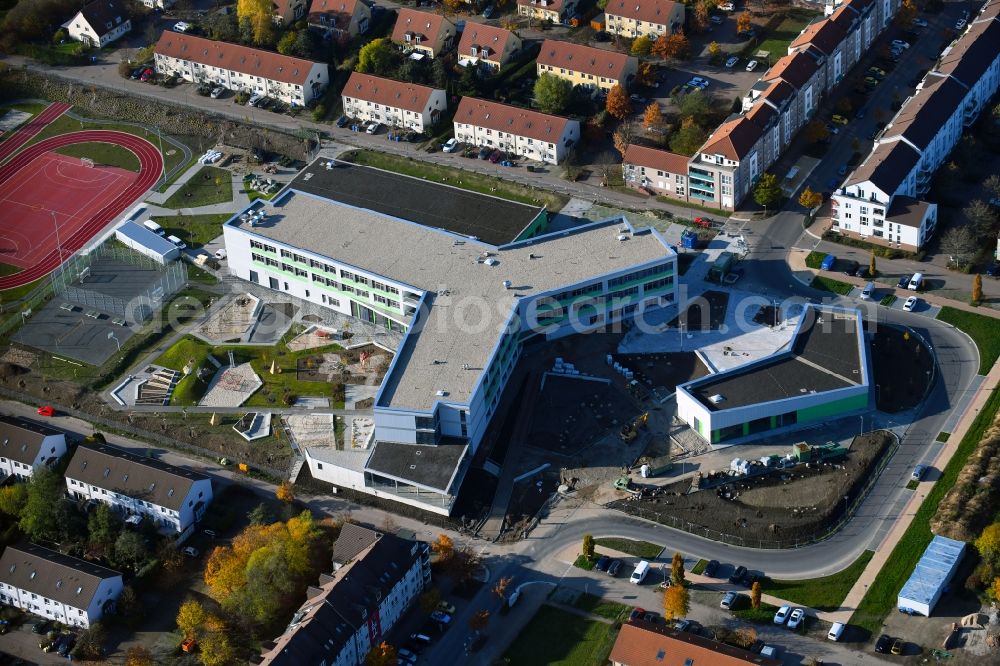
(240,68)
(649,18)
(522,132)
(423,33)
(586,66)
(490,47)
(396,103)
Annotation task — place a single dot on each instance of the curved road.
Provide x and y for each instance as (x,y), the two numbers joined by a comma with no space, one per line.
(150,167)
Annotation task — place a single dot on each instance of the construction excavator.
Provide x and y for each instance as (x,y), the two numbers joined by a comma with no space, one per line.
(630,431)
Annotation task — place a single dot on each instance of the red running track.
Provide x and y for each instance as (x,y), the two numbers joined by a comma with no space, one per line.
(28,131)
(150,167)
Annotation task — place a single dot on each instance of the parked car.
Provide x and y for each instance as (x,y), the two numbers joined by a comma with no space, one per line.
(506,163)
(136,73)
(181,26)
(993,271)
(900,44)
(342,121)
(911,303)
(839,119)
(445,607)
(852,266)
(602,36)
(177,241)
(716,20)
(959,25)
(919,470)
(698,82)
(406,655)
(254,99)
(489,12)
(752,65)
(220,254)
(46,410)
(897,647)
(636,614)
(614,567)
(602,563)
(728,600)
(40,627)
(484,153)
(877,71)
(861,272)
(842,171)
(836,631)
(903,282)
(782,615)
(738,574)
(190,551)
(638,99)
(650,616)
(217,92)
(711,568)
(373,128)
(450,146)
(727,7)
(796,618)
(441,617)
(146,75)
(495,156)
(731,62)
(883,643)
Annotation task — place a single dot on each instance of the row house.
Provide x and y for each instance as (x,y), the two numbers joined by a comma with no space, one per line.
(287,12)
(58,587)
(880,201)
(644,18)
(99,23)
(395,103)
(174,498)
(655,171)
(240,68)
(555,11)
(487,46)
(376,577)
(26,445)
(339,17)
(586,66)
(423,34)
(530,134)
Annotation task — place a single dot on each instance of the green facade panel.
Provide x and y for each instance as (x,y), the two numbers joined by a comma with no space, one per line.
(833,409)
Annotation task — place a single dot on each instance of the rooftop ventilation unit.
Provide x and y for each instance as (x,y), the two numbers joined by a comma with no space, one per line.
(442,393)
(507,284)
(716,399)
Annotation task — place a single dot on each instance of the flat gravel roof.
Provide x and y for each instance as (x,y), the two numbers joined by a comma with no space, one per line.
(429,466)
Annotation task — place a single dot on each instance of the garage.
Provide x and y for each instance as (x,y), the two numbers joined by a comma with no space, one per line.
(931,576)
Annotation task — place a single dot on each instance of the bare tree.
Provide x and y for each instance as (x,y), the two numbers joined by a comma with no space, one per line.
(959,243)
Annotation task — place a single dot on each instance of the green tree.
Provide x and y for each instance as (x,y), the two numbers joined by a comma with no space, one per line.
(992,185)
(131,549)
(552,93)
(469,83)
(714,50)
(103,526)
(191,618)
(259,15)
(377,57)
(588,545)
(13,498)
(642,46)
(816,131)
(44,506)
(90,644)
(767,192)
(688,139)
(677,569)
(216,649)
(286,44)
(977,289)
(305,44)
(261,515)
(695,105)
(439,75)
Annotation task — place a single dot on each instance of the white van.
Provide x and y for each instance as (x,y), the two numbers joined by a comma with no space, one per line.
(836,631)
(154,227)
(640,572)
(868,291)
(916,281)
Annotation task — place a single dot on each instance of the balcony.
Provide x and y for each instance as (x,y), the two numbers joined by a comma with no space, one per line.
(970,114)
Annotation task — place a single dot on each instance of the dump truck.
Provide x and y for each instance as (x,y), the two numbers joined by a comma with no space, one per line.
(721,267)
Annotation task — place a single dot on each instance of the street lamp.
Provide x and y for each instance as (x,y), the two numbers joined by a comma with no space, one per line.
(862,417)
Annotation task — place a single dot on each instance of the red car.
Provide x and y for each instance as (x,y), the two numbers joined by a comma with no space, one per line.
(702,222)
(146,75)
(495,156)
(47,410)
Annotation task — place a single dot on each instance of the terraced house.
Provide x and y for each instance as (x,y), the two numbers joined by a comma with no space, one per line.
(26,445)
(287,12)
(240,68)
(396,103)
(639,18)
(56,586)
(487,46)
(725,169)
(339,17)
(555,11)
(586,66)
(530,134)
(420,262)
(422,34)
(174,498)
(99,23)
(880,201)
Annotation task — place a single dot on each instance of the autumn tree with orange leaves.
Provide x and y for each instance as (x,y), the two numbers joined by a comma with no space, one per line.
(618,104)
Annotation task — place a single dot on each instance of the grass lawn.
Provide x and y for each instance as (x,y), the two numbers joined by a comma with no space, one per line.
(912,484)
(815,259)
(195,230)
(888,300)
(881,596)
(699,568)
(763,614)
(211,185)
(107,154)
(827,284)
(643,549)
(466,180)
(7,269)
(189,390)
(823,594)
(15,293)
(64,125)
(584,562)
(942,437)
(597,606)
(981,329)
(777,40)
(253,194)
(555,637)
(180,172)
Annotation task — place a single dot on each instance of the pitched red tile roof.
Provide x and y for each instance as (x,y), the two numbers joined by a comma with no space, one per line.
(397,94)
(645,644)
(333,13)
(826,35)
(483,36)
(650,11)
(733,139)
(654,158)
(577,58)
(266,64)
(797,69)
(510,119)
(425,24)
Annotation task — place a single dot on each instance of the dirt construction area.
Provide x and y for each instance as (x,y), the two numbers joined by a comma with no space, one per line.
(571,413)
(779,508)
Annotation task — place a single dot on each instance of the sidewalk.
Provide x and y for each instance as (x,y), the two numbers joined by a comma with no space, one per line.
(885,549)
